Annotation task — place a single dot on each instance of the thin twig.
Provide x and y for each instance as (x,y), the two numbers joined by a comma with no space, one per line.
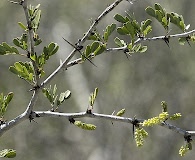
(168,36)
(152,39)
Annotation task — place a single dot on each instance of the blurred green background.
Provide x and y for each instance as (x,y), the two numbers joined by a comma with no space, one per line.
(138,84)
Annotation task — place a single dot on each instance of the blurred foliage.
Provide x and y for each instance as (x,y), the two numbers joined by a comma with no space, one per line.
(138,84)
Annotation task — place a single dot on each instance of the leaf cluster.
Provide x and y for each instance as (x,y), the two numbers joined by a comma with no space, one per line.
(92,97)
(99,43)
(166,18)
(54,99)
(131,27)
(35,16)
(4,102)
(24,70)
(6,49)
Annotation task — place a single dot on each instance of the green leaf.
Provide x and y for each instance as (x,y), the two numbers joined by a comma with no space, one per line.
(93,96)
(63,96)
(94,46)
(2,50)
(48,51)
(87,51)
(9,97)
(14,50)
(177,20)
(100,49)
(13,69)
(54,90)
(18,66)
(95,93)
(130,29)
(7,49)
(120,18)
(182,40)
(16,42)
(119,42)
(137,47)
(37,39)
(109,30)
(182,25)
(8,153)
(4,101)
(157,6)
(158,15)
(52,48)
(143,49)
(150,11)
(61,99)
(23,70)
(36,20)
(146,24)
(122,30)
(22,25)
(67,94)
(47,95)
(121,112)
(147,30)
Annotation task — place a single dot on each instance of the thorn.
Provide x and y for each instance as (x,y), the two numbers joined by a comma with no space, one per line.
(31,116)
(135,124)
(112,115)
(35,88)
(187,39)
(89,111)
(71,120)
(188,138)
(126,50)
(166,39)
(78,48)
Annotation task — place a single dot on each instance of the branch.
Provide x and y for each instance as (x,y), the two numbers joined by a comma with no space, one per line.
(25,115)
(153,39)
(8,125)
(176,129)
(31,33)
(81,41)
(168,36)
